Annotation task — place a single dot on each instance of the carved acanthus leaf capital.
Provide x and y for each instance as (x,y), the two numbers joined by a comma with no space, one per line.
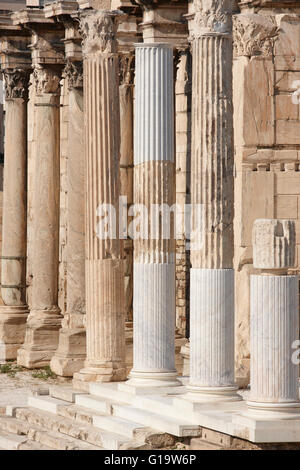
(16,83)
(126,69)
(73,71)
(212,16)
(254,35)
(98,30)
(46,80)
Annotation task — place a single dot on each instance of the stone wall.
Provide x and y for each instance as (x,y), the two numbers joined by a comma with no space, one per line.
(267,143)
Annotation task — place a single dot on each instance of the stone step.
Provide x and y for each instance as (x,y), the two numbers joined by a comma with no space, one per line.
(200,444)
(79,413)
(100,404)
(64,393)
(119,425)
(46,403)
(167,424)
(110,391)
(10,441)
(42,437)
(69,427)
(32,445)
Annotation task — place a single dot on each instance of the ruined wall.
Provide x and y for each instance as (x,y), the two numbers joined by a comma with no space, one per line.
(267,142)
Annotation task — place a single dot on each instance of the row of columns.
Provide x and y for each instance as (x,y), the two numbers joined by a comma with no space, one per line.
(212,275)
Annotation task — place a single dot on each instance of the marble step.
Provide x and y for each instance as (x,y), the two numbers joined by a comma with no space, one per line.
(141,434)
(64,393)
(69,427)
(94,403)
(10,441)
(54,440)
(167,424)
(110,391)
(119,425)
(46,403)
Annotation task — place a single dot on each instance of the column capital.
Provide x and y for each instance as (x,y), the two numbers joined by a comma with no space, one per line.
(254,35)
(73,71)
(46,80)
(212,17)
(99,29)
(16,83)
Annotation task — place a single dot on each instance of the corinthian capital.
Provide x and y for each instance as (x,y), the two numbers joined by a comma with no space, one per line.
(98,30)
(73,71)
(254,35)
(46,80)
(16,83)
(212,16)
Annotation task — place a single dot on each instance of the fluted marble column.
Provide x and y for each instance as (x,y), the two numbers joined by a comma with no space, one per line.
(154,255)
(212,275)
(44,320)
(105,305)
(14,311)
(71,352)
(274,321)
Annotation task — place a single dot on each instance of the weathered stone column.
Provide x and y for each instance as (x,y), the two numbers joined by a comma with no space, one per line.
(126,89)
(274,333)
(14,312)
(71,352)
(212,275)
(154,251)
(105,307)
(44,321)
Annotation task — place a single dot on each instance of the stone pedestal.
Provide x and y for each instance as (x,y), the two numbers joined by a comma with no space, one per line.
(212,275)
(44,321)
(71,352)
(154,183)
(14,311)
(274,322)
(105,305)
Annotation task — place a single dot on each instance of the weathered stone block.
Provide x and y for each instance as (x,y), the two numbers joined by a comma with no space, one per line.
(273,244)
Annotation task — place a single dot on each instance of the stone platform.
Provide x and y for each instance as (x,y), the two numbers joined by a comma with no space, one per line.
(115,417)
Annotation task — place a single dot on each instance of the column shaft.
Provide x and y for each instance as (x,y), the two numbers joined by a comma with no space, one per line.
(14,311)
(212,275)
(274,322)
(154,187)
(44,321)
(105,304)
(71,352)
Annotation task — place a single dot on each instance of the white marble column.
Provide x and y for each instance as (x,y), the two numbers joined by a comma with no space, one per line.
(71,351)
(14,311)
(154,183)
(274,322)
(212,275)
(44,320)
(104,265)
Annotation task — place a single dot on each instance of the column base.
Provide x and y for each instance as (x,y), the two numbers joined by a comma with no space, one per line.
(143,380)
(212,394)
(41,338)
(272,411)
(71,352)
(12,330)
(115,373)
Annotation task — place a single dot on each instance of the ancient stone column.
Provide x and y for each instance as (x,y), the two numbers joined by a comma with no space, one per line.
(71,352)
(212,275)
(105,307)
(14,311)
(154,250)
(44,320)
(274,337)
(126,89)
